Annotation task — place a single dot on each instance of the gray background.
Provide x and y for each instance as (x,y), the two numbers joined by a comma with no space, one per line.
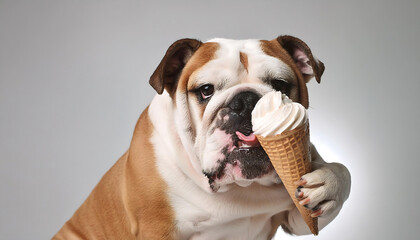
(74,79)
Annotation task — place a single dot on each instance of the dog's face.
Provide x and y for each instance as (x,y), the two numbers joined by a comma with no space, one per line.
(215,86)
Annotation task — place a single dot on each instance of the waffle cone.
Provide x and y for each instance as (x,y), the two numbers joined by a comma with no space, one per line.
(290,155)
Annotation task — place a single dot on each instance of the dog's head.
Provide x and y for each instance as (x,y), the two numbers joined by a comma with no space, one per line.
(214,87)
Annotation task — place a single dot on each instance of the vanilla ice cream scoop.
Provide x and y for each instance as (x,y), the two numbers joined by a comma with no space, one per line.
(275,113)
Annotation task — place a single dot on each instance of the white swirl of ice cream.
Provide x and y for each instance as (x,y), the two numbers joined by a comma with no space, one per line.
(275,113)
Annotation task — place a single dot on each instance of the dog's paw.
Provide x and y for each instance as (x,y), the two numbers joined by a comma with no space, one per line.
(319,191)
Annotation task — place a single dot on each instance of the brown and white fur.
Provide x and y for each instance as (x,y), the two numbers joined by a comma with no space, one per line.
(188,174)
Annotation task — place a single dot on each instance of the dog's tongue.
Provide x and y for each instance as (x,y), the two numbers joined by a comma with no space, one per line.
(250,140)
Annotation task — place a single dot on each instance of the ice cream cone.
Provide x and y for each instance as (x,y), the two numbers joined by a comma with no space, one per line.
(289,153)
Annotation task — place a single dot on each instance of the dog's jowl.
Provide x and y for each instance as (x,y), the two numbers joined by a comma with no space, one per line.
(192,171)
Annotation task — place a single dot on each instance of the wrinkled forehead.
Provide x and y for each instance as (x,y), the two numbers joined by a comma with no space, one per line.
(239,60)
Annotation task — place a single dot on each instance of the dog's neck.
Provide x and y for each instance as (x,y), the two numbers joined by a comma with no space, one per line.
(166,135)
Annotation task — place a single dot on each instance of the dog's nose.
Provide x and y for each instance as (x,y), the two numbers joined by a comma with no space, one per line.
(243,103)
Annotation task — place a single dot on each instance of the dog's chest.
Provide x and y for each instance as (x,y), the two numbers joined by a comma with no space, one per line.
(256,227)
(228,215)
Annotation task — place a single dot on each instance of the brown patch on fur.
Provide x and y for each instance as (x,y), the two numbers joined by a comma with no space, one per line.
(274,49)
(130,201)
(243,57)
(202,56)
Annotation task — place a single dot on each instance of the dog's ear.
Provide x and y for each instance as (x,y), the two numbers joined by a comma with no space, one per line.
(308,65)
(167,73)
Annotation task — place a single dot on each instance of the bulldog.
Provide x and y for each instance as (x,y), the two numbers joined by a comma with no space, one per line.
(193,169)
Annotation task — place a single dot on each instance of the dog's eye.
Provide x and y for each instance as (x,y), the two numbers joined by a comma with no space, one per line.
(206,91)
(281,85)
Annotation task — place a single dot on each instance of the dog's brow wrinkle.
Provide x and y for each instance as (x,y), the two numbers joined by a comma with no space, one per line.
(270,75)
(195,82)
(222,84)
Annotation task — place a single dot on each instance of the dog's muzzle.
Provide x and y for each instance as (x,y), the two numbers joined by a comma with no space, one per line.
(245,160)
